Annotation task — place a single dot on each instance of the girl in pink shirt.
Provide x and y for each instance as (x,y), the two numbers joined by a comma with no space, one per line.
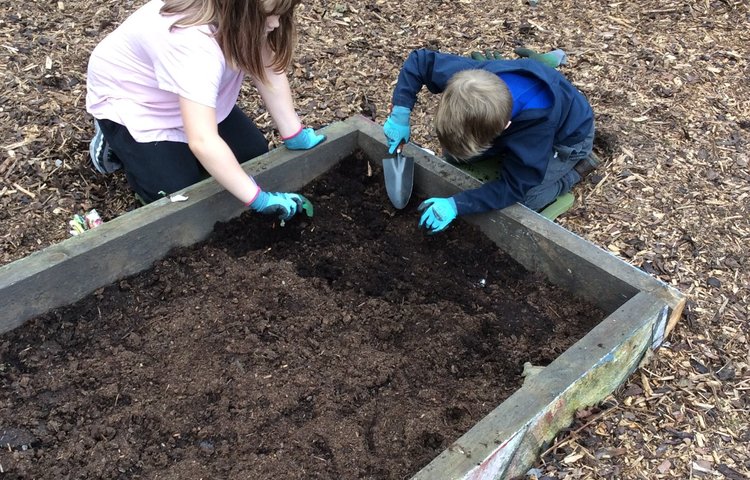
(163,87)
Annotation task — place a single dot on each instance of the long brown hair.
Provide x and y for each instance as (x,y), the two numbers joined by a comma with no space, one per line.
(239,28)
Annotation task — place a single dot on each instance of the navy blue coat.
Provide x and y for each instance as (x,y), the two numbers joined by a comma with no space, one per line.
(525,147)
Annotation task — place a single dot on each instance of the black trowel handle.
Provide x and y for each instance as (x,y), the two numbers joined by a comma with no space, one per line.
(400,147)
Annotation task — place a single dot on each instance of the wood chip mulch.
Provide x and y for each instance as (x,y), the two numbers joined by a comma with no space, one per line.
(669,84)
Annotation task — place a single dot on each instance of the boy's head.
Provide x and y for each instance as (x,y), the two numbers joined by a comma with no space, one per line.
(474,109)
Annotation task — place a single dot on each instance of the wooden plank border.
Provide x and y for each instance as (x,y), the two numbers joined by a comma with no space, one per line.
(641,309)
(68,271)
(507,441)
(537,243)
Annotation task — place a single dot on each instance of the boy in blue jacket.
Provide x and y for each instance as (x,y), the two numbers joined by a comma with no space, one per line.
(522,112)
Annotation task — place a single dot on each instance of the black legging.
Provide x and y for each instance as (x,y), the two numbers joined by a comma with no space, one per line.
(167,167)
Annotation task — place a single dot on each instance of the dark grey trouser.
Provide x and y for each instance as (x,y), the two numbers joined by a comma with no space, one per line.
(560,176)
(167,167)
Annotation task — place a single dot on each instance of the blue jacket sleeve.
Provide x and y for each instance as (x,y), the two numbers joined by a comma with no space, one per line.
(430,69)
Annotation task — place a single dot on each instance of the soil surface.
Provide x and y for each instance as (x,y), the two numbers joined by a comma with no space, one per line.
(346,345)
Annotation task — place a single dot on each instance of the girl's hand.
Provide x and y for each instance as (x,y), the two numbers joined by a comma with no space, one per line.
(305,139)
(283,205)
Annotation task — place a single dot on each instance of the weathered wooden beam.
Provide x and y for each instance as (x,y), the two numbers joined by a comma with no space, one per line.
(537,243)
(506,442)
(641,309)
(66,272)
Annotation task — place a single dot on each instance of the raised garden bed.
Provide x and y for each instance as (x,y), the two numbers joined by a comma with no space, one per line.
(348,346)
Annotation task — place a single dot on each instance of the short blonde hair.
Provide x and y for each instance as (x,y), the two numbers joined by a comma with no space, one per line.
(475,108)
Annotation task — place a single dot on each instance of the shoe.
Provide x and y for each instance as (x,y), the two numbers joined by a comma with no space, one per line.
(587,165)
(562,204)
(102,157)
(553,59)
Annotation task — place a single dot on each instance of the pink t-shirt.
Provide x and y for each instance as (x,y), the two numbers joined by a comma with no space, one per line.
(138,72)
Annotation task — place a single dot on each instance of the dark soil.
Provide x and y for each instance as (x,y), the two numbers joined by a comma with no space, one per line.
(349,345)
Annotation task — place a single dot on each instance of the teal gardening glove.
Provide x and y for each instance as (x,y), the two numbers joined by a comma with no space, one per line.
(487,55)
(438,214)
(396,127)
(553,59)
(285,205)
(305,139)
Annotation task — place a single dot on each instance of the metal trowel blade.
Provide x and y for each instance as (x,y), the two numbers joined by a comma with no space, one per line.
(399,179)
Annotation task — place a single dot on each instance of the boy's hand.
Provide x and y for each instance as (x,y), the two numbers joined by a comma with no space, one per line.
(438,214)
(487,55)
(305,139)
(285,205)
(396,127)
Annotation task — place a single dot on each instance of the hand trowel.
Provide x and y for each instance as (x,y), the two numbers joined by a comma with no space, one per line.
(399,178)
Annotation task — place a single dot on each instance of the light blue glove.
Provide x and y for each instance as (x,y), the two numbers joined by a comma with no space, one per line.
(396,127)
(285,205)
(305,139)
(553,59)
(438,214)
